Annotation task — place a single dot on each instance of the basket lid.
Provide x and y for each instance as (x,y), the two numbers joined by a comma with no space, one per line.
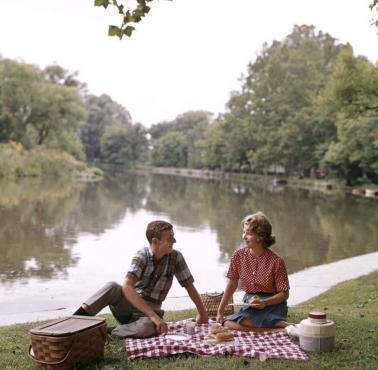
(68,326)
(317,315)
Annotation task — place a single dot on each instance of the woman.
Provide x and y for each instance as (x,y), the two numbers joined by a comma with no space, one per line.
(262,275)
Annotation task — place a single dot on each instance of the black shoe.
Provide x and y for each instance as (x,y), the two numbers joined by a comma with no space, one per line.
(109,329)
(81,312)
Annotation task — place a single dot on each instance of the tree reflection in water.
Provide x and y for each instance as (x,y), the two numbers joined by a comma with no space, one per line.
(40,222)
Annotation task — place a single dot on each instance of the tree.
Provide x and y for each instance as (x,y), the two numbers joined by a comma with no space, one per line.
(18,85)
(123,144)
(103,112)
(55,109)
(274,119)
(170,150)
(192,125)
(211,147)
(354,155)
(59,76)
(351,96)
(35,109)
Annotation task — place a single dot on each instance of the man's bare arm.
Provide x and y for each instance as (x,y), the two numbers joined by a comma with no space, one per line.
(202,317)
(128,290)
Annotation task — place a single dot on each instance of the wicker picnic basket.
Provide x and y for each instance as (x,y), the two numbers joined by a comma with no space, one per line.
(64,343)
(211,302)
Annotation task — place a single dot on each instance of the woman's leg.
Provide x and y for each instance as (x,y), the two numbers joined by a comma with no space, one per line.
(247,325)
(281,324)
(243,325)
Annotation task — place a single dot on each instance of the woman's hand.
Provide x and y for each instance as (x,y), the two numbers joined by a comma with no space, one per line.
(258,303)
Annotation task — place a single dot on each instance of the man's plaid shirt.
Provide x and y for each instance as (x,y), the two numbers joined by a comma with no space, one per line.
(154,278)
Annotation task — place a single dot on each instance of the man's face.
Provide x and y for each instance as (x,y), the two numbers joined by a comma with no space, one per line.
(167,239)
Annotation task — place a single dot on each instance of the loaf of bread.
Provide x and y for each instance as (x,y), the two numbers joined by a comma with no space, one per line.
(216,328)
(224,336)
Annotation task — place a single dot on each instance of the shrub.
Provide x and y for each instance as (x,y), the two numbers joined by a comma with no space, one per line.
(16,161)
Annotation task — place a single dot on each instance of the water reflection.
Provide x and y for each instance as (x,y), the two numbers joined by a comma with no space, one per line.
(311,228)
(35,230)
(40,222)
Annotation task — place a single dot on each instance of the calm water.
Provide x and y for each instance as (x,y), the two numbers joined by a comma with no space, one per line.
(60,241)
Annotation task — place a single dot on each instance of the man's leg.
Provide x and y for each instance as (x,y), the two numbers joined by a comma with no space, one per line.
(141,328)
(140,325)
(133,323)
(109,295)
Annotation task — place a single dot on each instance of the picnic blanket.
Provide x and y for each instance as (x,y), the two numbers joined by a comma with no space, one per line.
(245,344)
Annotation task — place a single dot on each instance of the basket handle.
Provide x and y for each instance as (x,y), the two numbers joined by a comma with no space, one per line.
(48,362)
(105,337)
(214,294)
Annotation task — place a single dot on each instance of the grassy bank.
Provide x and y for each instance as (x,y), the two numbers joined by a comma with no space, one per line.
(353,305)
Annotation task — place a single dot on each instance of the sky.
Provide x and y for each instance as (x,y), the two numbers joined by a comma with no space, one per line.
(185,55)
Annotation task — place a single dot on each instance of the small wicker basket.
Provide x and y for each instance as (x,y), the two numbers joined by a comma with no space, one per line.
(211,302)
(64,343)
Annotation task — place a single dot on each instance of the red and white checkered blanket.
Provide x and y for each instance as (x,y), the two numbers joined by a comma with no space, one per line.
(246,344)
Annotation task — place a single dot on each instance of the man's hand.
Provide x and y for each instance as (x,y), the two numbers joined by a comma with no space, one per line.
(161,325)
(202,319)
(220,317)
(202,316)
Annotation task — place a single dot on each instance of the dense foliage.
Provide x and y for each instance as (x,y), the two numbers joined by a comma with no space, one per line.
(49,123)
(306,106)
(175,142)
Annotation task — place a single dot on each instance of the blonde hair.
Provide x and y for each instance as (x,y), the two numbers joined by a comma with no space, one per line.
(259,224)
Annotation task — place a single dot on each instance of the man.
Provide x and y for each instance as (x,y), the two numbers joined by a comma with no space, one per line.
(136,304)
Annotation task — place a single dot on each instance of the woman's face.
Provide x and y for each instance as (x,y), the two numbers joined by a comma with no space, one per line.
(249,237)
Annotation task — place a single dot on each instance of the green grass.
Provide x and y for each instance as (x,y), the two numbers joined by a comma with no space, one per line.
(352,305)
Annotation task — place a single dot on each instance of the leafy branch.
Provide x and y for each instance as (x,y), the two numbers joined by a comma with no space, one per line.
(130,16)
(374,6)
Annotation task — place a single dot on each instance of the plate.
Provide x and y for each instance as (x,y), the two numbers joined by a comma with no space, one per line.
(174,336)
(240,304)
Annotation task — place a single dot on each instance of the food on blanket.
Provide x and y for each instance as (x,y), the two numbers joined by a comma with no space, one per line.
(217,328)
(219,337)
(219,334)
(253,299)
(224,337)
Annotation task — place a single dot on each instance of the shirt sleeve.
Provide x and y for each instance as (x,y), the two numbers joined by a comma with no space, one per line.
(138,265)
(281,278)
(233,270)
(183,274)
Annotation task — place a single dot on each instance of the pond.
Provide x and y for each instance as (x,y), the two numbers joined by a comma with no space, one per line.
(61,241)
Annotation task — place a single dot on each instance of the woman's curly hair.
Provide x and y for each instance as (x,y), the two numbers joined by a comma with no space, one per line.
(259,224)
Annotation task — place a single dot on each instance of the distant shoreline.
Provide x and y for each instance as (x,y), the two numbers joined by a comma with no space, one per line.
(323,186)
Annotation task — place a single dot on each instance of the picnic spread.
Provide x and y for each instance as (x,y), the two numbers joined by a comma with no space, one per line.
(267,344)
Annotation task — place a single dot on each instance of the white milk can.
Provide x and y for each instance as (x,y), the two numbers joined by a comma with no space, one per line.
(316,333)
